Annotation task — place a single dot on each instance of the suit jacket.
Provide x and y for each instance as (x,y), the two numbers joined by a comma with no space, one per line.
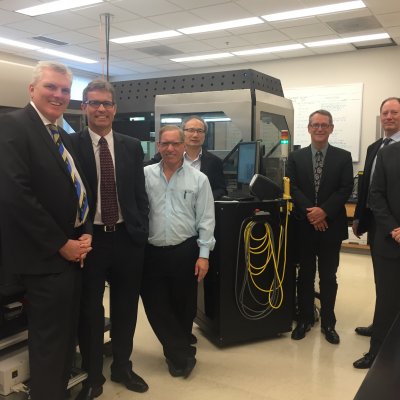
(334,190)
(385,200)
(38,201)
(362,212)
(129,174)
(211,165)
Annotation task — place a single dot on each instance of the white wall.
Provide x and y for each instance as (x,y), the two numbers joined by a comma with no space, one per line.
(16,74)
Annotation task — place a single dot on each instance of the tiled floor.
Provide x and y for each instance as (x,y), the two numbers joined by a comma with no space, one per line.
(274,369)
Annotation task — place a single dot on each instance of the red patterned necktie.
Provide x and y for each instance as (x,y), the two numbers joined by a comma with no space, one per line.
(108,192)
(80,192)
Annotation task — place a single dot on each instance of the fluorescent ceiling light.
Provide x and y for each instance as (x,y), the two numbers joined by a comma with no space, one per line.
(55,6)
(268,50)
(146,36)
(14,63)
(201,58)
(221,25)
(353,39)
(308,12)
(171,120)
(217,119)
(14,43)
(67,56)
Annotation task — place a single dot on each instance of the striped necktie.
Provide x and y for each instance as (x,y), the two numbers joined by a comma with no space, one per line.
(80,192)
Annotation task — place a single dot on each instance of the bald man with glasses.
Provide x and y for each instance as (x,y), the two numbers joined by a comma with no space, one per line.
(181,236)
(195,131)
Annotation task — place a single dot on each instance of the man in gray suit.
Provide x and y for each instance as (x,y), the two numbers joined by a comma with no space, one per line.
(384,201)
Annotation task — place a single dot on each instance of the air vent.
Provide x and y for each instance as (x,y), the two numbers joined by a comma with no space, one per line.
(355,25)
(375,44)
(159,51)
(49,40)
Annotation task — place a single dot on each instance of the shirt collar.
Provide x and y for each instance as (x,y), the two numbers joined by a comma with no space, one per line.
(42,117)
(95,137)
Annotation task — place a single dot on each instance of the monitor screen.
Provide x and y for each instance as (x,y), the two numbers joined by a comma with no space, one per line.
(248,161)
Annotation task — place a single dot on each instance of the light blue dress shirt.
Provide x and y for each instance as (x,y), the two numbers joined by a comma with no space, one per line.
(181,208)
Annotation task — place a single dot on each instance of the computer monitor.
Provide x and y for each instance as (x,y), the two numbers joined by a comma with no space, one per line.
(248,161)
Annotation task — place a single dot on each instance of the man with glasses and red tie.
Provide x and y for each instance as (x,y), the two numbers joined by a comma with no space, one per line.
(321,178)
(113,166)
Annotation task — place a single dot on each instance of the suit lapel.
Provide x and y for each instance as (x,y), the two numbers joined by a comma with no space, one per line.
(308,161)
(45,136)
(118,157)
(84,150)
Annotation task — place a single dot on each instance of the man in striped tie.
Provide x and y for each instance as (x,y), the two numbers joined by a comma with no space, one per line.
(45,232)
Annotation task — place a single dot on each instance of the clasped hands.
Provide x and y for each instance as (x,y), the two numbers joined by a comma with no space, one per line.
(317,218)
(396,234)
(77,250)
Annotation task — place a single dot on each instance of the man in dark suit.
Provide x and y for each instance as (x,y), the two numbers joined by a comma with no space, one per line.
(384,202)
(321,179)
(363,217)
(195,130)
(43,220)
(113,165)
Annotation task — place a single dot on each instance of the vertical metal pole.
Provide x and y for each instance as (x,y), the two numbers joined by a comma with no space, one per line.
(107,18)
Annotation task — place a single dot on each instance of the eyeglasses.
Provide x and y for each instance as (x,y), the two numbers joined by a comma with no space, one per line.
(322,126)
(164,145)
(193,130)
(97,103)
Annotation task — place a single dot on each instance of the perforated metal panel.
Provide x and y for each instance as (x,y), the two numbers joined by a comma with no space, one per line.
(139,95)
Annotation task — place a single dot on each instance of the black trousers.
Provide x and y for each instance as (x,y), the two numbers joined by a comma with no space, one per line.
(169,294)
(318,250)
(115,259)
(387,278)
(52,309)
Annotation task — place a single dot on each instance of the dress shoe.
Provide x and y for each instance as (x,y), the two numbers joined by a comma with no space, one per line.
(89,392)
(184,372)
(365,361)
(192,339)
(364,330)
(131,380)
(330,334)
(300,331)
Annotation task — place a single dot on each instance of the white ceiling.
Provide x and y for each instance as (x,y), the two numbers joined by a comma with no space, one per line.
(83,31)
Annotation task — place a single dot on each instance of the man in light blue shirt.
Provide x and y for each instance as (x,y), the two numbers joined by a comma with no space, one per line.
(181,236)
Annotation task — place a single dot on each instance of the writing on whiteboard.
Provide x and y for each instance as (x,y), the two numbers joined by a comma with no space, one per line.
(344,102)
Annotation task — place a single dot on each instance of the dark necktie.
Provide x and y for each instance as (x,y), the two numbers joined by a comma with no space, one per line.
(108,192)
(386,141)
(319,162)
(80,192)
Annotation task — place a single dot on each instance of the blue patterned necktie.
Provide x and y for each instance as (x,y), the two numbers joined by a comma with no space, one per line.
(108,190)
(319,162)
(80,192)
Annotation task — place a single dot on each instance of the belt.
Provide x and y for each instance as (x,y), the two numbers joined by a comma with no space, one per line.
(108,228)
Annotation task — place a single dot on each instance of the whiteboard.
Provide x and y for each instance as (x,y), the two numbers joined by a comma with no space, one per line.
(344,102)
